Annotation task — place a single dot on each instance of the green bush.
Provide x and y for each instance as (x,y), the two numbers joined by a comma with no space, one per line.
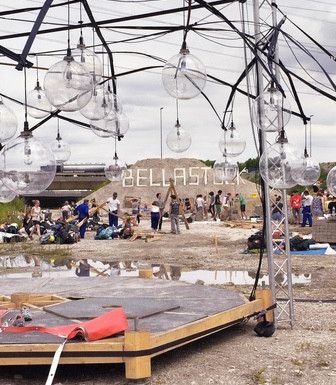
(9,212)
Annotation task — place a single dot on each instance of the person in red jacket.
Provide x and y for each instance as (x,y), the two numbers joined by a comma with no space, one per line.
(296,204)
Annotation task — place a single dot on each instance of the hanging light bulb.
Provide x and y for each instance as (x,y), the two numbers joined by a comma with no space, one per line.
(38,104)
(28,165)
(184,75)
(8,123)
(277,162)
(6,195)
(331,181)
(307,171)
(178,139)
(225,169)
(273,108)
(233,144)
(116,170)
(99,105)
(63,83)
(114,125)
(60,149)
(91,62)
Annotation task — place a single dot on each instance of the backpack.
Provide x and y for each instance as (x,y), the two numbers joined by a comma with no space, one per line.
(256,241)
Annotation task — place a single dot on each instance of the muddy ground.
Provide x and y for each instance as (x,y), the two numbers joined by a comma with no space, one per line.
(305,354)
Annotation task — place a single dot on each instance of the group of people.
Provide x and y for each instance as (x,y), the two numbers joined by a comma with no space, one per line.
(305,206)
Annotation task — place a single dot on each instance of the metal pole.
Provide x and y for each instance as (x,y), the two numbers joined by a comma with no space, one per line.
(260,89)
(161,130)
(310,135)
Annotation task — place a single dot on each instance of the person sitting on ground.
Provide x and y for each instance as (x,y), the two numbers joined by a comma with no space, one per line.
(27,225)
(128,227)
(332,206)
(277,208)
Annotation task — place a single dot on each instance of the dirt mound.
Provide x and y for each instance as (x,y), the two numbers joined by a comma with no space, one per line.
(147,177)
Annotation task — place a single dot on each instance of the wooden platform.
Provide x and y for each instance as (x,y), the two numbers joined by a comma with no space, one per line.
(162,316)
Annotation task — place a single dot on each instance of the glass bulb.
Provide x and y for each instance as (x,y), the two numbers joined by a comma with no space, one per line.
(233,144)
(28,165)
(178,139)
(276,165)
(99,105)
(63,83)
(331,181)
(38,104)
(61,151)
(8,123)
(225,169)
(275,110)
(306,172)
(91,62)
(184,75)
(113,125)
(6,195)
(115,171)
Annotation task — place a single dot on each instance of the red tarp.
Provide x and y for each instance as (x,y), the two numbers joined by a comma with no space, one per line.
(104,326)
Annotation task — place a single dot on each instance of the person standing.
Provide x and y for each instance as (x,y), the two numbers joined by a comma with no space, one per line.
(136,209)
(155,215)
(160,204)
(212,205)
(218,204)
(114,208)
(66,211)
(317,205)
(295,204)
(82,211)
(307,201)
(277,209)
(199,208)
(36,216)
(174,212)
(242,203)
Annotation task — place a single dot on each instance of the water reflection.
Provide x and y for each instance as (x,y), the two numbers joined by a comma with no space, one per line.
(20,267)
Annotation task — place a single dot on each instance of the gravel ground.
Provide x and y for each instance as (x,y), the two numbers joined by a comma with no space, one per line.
(305,354)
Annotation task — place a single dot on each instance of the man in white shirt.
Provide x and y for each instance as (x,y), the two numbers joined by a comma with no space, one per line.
(114,207)
(307,201)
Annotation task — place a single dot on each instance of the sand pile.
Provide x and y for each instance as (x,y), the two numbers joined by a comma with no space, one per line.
(149,176)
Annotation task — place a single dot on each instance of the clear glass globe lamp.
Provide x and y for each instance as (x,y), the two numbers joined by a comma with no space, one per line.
(115,170)
(8,123)
(91,62)
(225,169)
(232,144)
(99,105)
(6,195)
(61,150)
(277,163)
(63,83)
(271,111)
(331,181)
(38,106)
(28,165)
(114,125)
(184,75)
(307,171)
(178,139)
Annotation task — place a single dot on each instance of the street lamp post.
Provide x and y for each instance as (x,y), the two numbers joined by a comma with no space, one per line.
(161,131)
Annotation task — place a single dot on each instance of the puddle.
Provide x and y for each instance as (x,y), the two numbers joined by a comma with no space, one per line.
(21,267)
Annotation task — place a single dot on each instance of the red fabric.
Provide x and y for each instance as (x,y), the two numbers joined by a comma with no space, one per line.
(104,326)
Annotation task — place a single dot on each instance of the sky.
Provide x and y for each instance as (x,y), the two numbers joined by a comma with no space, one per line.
(143,95)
